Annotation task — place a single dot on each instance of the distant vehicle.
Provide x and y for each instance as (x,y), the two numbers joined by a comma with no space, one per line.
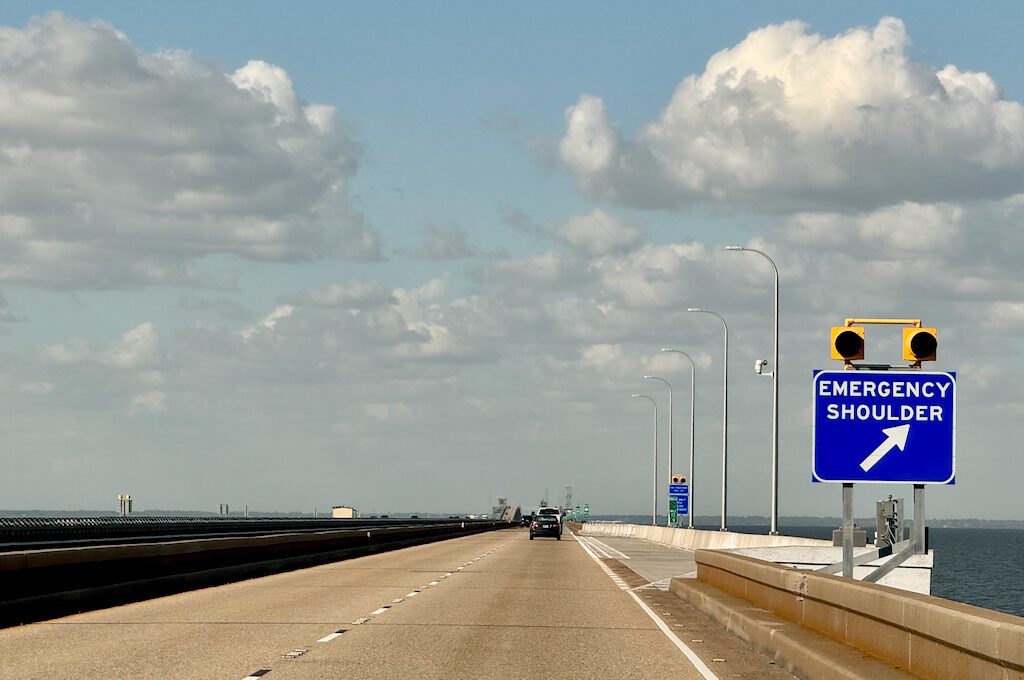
(546,525)
(527,520)
(551,512)
(414,516)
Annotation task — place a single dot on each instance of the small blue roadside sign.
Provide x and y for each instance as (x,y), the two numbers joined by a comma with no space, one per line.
(884,427)
(681,494)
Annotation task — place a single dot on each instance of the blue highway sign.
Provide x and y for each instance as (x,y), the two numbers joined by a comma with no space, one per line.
(683,504)
(681,494)
(884,427)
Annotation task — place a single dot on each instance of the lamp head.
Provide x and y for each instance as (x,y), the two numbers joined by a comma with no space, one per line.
(734,247)
(695,309)
(637,395)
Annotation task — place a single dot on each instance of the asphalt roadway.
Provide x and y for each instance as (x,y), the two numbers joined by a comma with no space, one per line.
(493,605)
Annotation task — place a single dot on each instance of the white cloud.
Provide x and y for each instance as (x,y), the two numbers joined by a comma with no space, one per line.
(123,168)
(603,354)
(598,234)
(548,271)
(788,116)
(149,402)
(892,232)
(354,294)
(137,348)
(1004,315)
(267,323)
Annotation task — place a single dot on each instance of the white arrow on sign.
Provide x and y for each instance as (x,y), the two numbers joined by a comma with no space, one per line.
(894,436)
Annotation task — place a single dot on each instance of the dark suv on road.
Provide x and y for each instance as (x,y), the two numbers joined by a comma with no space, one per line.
(546,525)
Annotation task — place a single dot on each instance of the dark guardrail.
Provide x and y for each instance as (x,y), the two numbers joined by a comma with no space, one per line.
(38,583)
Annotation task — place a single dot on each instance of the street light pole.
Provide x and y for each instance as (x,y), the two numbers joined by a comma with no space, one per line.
(775,395)
(670,419)
(725,410)
(654,500)
(689,476)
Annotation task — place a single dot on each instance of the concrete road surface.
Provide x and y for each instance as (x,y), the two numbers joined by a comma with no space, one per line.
(494,605)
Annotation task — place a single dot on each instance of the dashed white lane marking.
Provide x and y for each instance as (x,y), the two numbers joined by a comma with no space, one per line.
(701,667)
(336,634)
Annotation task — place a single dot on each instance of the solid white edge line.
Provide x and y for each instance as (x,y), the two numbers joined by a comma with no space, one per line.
(701,667)
(328,638)
(608,548)
(586,540)
(694,659)
(587,549)
(597,549)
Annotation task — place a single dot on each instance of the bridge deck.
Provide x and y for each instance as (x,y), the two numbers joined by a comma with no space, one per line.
(492,605)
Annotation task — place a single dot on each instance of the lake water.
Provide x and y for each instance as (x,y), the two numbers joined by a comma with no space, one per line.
(983,567)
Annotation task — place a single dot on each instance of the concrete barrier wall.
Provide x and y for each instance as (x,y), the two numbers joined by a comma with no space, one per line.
(803,553)
(927,636)
(697,539)
(45,583)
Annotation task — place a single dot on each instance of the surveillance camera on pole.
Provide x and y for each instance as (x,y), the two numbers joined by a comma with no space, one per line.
(759,365)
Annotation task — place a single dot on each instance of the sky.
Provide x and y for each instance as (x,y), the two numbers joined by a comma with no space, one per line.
(413,256)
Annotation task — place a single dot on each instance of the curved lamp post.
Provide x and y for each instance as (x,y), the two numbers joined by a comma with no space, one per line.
(669,386)
(689,476)
(725,409)
(654,501)
(774,373)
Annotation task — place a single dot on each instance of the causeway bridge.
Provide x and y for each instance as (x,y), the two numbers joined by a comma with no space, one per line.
(480,600)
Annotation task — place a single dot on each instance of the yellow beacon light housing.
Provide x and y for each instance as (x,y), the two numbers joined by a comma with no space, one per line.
(919,344)
(847,342)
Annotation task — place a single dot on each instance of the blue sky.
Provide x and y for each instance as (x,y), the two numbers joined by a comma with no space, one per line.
(553,269)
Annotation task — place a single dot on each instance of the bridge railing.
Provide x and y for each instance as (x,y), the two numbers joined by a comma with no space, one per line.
(927,636)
